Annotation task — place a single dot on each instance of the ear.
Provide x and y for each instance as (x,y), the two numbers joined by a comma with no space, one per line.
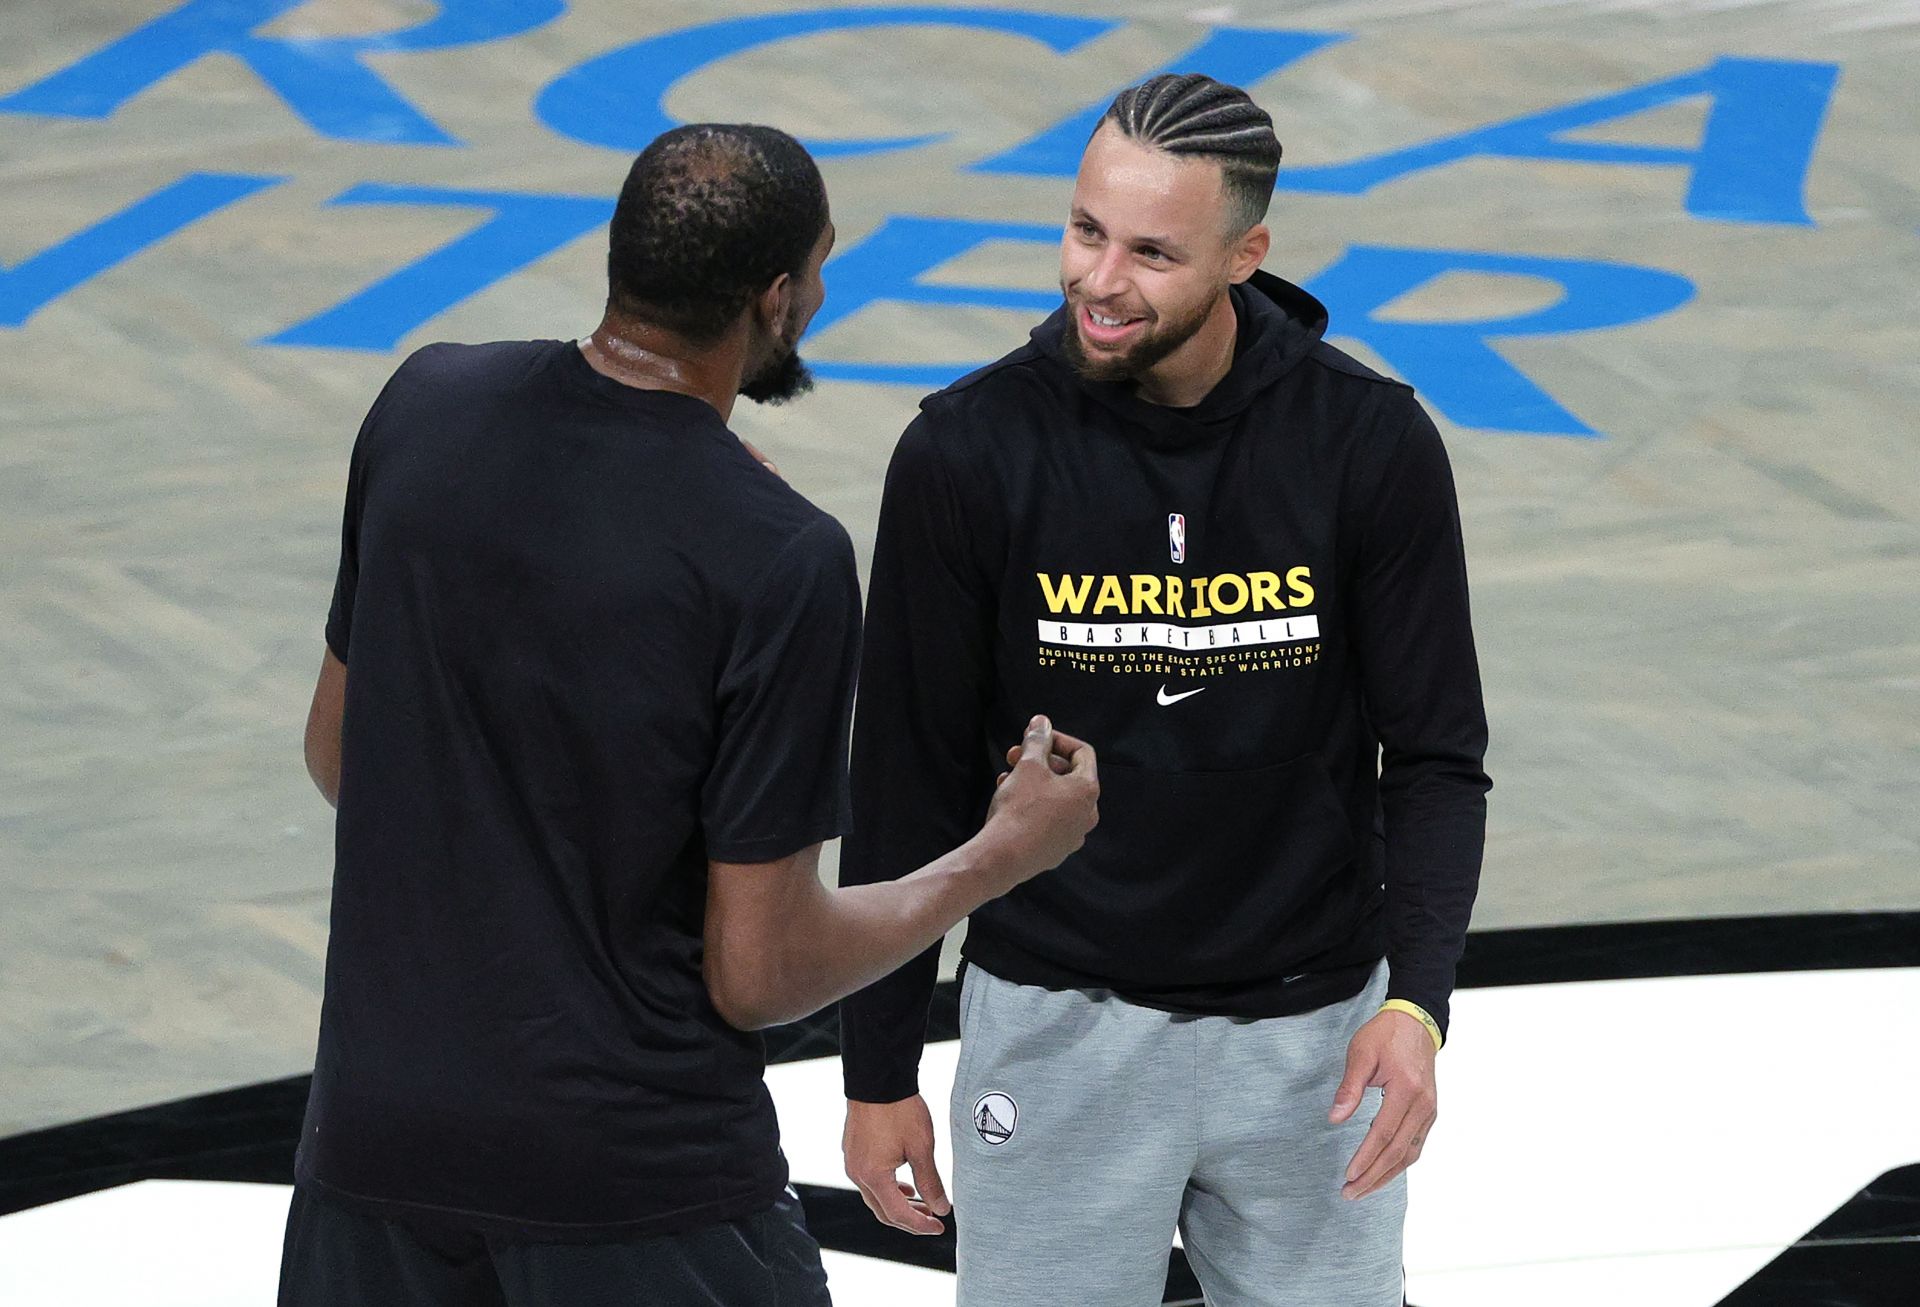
(1250,253)
(772,305)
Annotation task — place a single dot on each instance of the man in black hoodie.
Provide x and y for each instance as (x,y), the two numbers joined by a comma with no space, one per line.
(1232,554)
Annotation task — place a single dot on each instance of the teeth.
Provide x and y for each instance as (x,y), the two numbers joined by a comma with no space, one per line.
(1105,322)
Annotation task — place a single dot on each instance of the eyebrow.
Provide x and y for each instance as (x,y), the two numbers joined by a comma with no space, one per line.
(1158,242)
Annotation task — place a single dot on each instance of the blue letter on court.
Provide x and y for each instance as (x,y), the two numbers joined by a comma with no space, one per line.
(618,99)
(1750,166)
(889,265)
(1239,56)
(1451,363)
(321,78)
(523,228)
(30,285)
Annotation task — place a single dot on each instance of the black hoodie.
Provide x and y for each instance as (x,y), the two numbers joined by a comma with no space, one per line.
(1254,608)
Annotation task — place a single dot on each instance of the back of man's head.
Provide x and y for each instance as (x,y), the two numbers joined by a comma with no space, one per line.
(710,215)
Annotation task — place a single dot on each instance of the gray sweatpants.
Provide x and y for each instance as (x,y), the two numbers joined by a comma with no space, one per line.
(1086,1128)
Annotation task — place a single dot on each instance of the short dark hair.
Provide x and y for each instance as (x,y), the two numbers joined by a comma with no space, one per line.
(710,215)
(1192,114)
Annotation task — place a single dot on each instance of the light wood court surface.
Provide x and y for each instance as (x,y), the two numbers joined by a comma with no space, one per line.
(1698,628)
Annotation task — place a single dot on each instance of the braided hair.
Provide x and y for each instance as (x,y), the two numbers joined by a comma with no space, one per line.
(1191,114)
(710,215)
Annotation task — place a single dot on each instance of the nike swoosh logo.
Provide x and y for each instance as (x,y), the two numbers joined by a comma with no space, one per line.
(1166,698)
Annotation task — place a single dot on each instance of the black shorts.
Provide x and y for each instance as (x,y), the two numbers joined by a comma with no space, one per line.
(339,1257)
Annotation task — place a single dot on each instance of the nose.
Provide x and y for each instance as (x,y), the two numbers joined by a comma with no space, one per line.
(1106,278)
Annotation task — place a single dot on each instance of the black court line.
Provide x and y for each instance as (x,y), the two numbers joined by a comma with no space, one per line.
(1867,1254)
(1710,946)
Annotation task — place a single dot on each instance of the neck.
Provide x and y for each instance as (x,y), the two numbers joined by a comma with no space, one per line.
(1189,374)
(647,357)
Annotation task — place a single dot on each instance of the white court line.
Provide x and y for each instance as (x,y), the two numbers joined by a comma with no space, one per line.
(1644,1141)
(1671,1135)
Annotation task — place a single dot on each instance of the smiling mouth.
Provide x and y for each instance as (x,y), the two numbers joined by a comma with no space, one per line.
(1103,330)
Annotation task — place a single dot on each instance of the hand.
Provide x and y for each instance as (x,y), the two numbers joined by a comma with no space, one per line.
(1043,808)
(1394,1052)
(880,1138)
(759,457)
(1056,761)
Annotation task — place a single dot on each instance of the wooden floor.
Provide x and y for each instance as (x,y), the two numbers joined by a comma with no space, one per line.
(1700,627)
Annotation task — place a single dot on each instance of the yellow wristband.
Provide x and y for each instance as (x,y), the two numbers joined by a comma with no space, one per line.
(1419,1014)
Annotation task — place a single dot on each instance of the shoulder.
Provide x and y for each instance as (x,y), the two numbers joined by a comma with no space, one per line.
(436,375)
(809,566)
(415,406)
(985,377)
(1022,377)
(1367,407)
(775,528)
(818,538)
(1377,424)
(755,547)
(991,414)
(499,362)
(1355,382)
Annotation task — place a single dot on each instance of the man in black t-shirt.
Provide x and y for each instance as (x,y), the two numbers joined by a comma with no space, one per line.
(593,737)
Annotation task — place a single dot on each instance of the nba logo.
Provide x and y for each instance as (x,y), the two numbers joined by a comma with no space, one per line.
(1177,536)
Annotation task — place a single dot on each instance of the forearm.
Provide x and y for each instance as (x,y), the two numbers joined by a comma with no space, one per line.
(1435,836)
(921,764)
(836,941)
(324,769)
(883,1025)
(883,1032)
(322,743)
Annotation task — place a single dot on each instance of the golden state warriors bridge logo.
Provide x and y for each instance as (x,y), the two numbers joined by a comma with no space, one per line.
(995,1117)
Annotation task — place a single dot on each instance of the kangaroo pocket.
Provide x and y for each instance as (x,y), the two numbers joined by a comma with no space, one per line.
(1195,878)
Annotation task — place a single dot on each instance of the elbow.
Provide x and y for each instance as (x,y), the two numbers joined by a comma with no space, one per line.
(1446,770)
(745,999)
(325,717)
(324,767)
(742,1012)
(758,952)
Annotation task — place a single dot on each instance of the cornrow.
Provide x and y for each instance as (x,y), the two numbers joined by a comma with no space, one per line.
(1192,114)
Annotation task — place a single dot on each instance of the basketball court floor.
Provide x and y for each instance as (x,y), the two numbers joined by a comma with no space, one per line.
(1653,266)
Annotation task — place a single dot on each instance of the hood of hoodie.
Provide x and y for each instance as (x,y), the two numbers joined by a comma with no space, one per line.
(1280,324)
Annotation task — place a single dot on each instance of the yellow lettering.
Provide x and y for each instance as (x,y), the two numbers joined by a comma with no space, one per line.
(1200,608)
(1064,597)
(1299,580)
(1266,591)
(1239,585)
(1176,597)
(1146,595)
(1111,596)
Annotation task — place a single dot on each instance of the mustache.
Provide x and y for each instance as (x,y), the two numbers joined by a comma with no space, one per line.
(1122,312)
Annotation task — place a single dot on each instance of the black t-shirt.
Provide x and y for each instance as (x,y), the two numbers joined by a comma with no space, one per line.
(591,643)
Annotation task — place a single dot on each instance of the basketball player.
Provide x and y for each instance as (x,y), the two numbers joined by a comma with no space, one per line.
(584,713)
(1232,554)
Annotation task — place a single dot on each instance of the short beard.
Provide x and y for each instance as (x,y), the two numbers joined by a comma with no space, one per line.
(784,378)
(1135,363)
